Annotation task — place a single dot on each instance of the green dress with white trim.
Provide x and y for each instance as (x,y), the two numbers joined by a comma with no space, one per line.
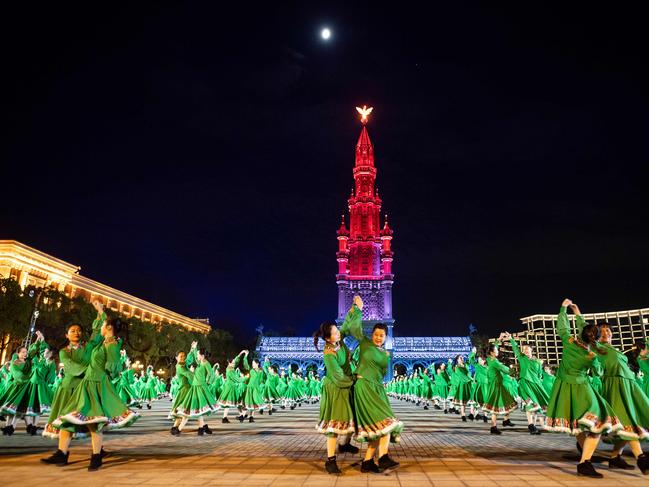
(574,405)
(621,391)
(530,384)
(336,414)
(374,415)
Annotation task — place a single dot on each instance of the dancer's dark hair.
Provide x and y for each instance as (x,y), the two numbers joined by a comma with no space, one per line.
(380,326)
(323,332)
(204,352)
(590,335)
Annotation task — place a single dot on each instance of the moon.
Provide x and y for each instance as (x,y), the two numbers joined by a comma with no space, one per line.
(325,33)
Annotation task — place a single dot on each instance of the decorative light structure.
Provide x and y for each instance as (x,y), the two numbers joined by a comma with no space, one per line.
(364,250)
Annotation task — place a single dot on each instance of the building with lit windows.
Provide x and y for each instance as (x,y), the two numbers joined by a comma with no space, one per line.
(31,267)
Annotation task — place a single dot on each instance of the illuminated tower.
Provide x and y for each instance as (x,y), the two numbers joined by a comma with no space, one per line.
(364,251)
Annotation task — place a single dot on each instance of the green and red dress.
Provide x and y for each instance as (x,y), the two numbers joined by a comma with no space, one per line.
(464,386)
(621,391)
(574,405)
(374,415)
(94,400)
(336,414)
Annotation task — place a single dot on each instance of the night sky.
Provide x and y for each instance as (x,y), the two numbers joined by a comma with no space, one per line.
(200,158)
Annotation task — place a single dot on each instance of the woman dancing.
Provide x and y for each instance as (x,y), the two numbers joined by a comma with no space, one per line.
(230,397)
(498,399)
(535,398)
(376,422)
(184,378)
(630,403)
(574,406)
(336,414)
(94,402)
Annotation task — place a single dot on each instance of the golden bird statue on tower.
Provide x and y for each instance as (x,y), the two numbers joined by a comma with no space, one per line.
(365,111)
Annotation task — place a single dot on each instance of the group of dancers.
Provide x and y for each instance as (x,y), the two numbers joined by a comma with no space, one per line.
(595,392)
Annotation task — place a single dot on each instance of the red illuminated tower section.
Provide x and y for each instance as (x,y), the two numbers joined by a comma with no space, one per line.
(364,251)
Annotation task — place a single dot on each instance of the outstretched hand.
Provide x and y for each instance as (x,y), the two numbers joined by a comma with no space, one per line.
(358,301)
(566,303)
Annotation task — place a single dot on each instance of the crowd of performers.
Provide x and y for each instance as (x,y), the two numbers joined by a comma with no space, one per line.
(598,391)
(96,389)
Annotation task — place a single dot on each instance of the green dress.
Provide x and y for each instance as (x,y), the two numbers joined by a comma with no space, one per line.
(270,390)
(336,414)
(441,384)
(184,378)
(643,363)
(530,385)
(574,406)
(463,387)
(75,361)
(548,382)
(94,400)
(39,391)
(481,383)
(374,416)
(499,400)
(230,397)
(16,399)
(198,401)
(621,391)
(253,399)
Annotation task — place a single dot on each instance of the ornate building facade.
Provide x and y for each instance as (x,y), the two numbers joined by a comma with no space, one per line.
(364,259)
(31,267)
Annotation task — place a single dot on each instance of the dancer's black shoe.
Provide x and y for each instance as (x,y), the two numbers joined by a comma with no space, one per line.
(174,431)
(485,419)
(471,417)
(57,458)
(261,411)
(200,431)
(619,462)
(533,429)
(386,463)
(508,422)
(369,466)
(225,420)
(95,462)
(104,453)
(426,408)
(148,406)
(586,469)
(464,419)
(495,431)
(283,407)
(251,419)
(8,430)
(643,463)
(331,466)
(292,408)
(348,448)
(207,430)
(445,411)
(270,412)
(241,418)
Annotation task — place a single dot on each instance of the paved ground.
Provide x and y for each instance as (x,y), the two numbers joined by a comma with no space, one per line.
(283,450)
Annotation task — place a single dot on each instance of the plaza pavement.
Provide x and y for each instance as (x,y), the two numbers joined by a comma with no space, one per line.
(284,451)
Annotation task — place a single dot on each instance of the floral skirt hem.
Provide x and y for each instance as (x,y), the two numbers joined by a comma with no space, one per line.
(499,409)
(589,423)
(335,427)
(376,431)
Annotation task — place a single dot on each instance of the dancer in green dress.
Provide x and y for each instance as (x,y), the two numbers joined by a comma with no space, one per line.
(441,387)
(574,406)
(498,400)
(548,379)
(535,398)
(375,420)
(630,403)
(40,388)
(198,402)
(230,397)
(336,413)
(184,378)
(463,388)
(253,399)
(15,402)
(94,402)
